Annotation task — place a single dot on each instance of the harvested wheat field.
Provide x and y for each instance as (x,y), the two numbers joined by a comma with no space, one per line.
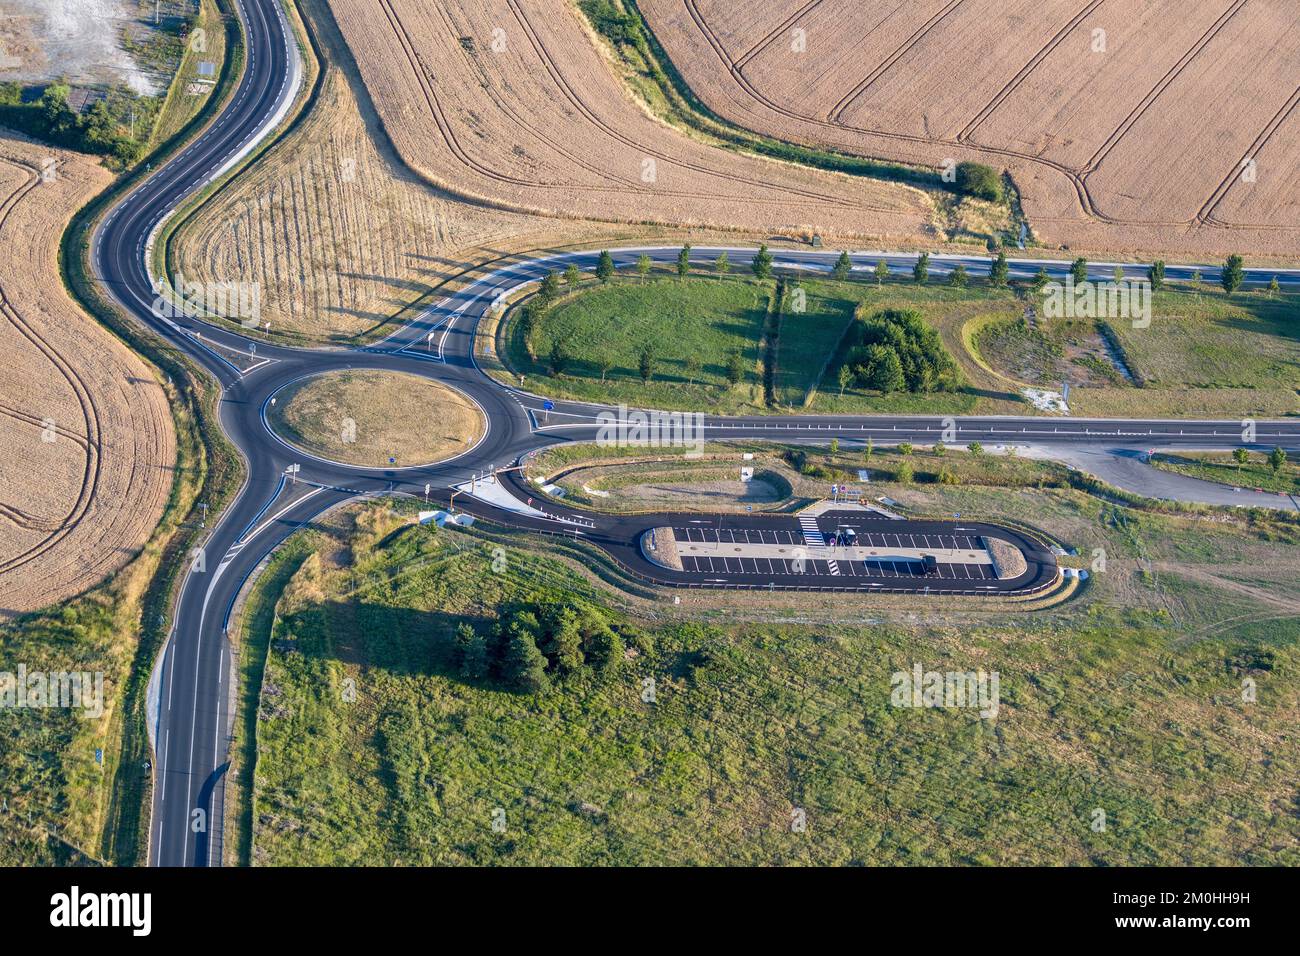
(85,427)
(377,419)
(1128,125)
(339,234)
(515,103)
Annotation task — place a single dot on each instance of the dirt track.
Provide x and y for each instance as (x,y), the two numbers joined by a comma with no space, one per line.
(513,103)
(85,426)
(1140,145)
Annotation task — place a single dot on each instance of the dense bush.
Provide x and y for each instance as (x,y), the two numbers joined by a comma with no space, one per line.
(894,350)
(533,643)
(980,181)
(51,119)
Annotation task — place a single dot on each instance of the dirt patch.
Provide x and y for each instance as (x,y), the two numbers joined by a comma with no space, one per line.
(376,418)
(88,437)
(1008,561)
(660,546)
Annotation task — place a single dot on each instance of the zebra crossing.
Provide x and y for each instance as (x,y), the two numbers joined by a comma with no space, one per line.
(812,535)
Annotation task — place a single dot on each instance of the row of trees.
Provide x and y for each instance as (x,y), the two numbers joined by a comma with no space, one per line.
(51,119)
(532,645)
(1232,277)
(1276,458)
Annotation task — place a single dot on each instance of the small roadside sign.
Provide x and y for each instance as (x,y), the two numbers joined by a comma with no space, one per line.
(548,405)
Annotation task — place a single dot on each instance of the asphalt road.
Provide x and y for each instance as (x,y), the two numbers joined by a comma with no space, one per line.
(195,691)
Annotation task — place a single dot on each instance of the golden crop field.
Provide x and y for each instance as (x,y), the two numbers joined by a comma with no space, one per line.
(339,233)
(88,437)
(515,103)
(1125,124)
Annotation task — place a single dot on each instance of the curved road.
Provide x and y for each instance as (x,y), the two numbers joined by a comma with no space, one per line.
(194,680)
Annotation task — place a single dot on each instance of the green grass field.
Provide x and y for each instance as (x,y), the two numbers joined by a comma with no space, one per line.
(704,319)
(1256,473)
(373,750)
(1204,354)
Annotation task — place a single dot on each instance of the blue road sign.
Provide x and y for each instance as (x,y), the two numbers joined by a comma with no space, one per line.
(548,405)
(99,755)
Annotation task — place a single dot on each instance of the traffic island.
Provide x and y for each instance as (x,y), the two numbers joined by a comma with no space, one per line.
(374,418)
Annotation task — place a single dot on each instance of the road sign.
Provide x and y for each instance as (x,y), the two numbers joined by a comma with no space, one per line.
(548,405)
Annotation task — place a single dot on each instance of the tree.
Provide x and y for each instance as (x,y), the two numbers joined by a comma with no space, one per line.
(722,265)
(472,652)
(946,476)
(975,448)
(882,272)
(980,181)
(905,473)
(605,362)
(550,286)
(905,448)
(835,446)
(684,261)
(523,666)
(845,377)
(1241,456)
(1079,270)
(1233,274)
(572,276)
(692,369)
(559,357)
(1156,275)
(1118,275)
(564,645)
(646,365)
(603,649)
(842,267)
(868,451)
(1040,280)
(940,449)
(1273,288)
(921,271)
(735,367)
(1000,271)
(958,278)
(605,266)
(643,265)
(762,264)
(884,370)
(1276,459)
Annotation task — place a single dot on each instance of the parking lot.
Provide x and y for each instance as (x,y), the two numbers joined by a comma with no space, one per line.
(726,542)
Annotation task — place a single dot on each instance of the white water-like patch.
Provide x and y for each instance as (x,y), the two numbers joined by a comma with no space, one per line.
(76,40)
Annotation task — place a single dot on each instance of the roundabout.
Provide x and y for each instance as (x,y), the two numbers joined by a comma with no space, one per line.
(294,476)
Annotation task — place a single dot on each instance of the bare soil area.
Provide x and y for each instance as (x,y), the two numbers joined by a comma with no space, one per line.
(85,426)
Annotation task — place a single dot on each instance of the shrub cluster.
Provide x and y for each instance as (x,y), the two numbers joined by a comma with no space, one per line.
(894,350)
(533,643)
